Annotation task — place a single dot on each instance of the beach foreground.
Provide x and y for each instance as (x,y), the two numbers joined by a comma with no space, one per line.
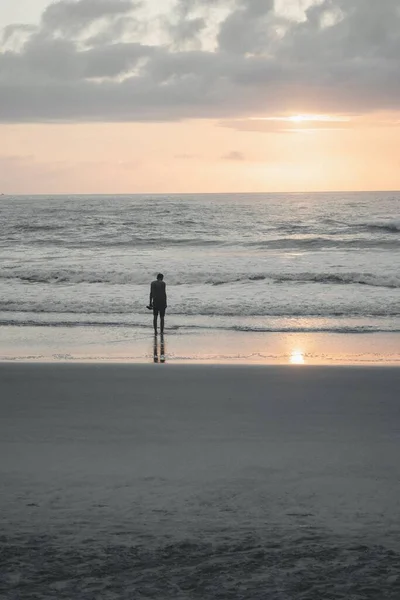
(189,481)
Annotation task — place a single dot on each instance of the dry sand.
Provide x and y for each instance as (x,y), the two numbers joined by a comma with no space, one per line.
(181,482)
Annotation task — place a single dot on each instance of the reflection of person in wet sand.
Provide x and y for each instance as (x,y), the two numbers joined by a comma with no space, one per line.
(158,301)
(162,349)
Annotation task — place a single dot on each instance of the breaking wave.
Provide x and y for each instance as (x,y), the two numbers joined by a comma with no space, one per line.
(392,226)
(386,281)
(391,281)
(332,328)
(120,240)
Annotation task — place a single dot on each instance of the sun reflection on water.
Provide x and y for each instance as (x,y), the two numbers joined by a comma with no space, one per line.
(297,357)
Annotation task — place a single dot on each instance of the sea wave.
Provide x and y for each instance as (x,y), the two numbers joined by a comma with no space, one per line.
(25,227)
(117,240)
(321,243)
(332,328)
(71,276)
(370,279)
(201,309)
(54,236)
(379,225)
(390,226)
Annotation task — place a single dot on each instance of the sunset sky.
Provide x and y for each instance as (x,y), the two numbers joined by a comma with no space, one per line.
(121,96)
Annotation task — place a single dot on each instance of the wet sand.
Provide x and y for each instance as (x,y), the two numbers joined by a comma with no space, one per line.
(189,481)
(124,344)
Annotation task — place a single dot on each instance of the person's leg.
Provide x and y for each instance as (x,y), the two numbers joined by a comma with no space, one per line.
(162,315)
(155,313)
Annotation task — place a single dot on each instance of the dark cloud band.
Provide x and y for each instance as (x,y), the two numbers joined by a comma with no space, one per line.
(91,60)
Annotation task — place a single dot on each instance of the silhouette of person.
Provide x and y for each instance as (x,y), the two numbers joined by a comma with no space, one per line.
(158,301)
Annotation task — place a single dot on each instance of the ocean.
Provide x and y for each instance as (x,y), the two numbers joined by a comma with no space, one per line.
(318,262)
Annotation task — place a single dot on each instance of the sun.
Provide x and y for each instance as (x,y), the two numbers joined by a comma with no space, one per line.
(297,357)
(317,119)
(300,118)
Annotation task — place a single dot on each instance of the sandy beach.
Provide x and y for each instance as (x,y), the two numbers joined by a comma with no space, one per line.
(144,481)
(199,300)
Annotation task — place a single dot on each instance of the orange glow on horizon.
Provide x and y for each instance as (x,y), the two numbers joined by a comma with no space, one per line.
(253,154)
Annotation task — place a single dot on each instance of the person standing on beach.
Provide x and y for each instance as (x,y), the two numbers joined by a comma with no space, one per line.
(158,301)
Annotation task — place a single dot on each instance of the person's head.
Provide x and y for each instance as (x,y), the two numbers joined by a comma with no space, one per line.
(160,277)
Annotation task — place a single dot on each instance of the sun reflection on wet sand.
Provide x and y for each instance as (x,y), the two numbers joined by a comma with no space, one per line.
(297,357)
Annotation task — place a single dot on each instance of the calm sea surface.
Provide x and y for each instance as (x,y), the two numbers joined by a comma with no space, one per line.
(262,262)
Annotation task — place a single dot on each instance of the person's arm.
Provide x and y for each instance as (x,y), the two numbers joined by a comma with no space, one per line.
(165,296)
(151,295)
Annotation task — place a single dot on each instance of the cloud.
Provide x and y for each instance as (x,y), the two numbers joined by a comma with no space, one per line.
(67,15)
(187,30)
(16,170)
(234,155)
(11,32)
(246,27)
(111,60)
(185,156)
(302,123)
(6,160)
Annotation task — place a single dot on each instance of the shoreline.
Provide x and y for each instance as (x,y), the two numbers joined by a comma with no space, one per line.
(126,345)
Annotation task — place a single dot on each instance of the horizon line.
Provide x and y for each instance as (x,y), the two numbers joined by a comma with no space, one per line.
(62,194)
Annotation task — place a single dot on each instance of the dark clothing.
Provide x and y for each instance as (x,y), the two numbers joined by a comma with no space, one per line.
(158,311)
(158,296)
